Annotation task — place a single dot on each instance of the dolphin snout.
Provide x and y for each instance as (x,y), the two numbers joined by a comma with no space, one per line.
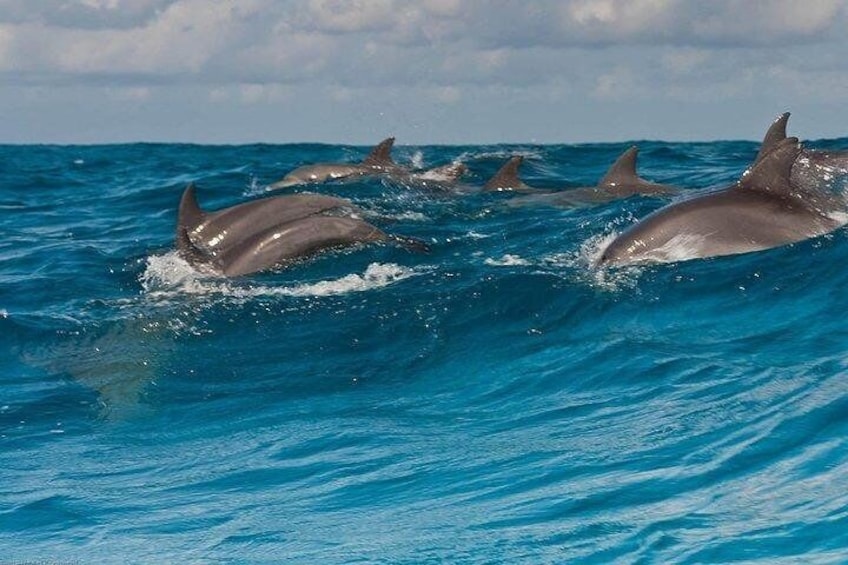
(287,182)
(612,254)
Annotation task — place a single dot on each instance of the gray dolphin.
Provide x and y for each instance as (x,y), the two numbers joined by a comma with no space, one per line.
(620,181)
(764,209)
(270,232)
(294,240)
(213,232)
(378,161)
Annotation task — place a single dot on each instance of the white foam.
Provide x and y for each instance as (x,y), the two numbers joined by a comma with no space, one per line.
(446,173)
(168,276)
(408,215)
(584,264)
(417,160)
(502,154)
(376,275)
(507,260)
(255,188)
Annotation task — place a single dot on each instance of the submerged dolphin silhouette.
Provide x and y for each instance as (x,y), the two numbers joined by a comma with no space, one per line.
(764,209)
(269,232)
(620,181)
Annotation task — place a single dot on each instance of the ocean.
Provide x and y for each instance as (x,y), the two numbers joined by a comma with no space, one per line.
(496,400)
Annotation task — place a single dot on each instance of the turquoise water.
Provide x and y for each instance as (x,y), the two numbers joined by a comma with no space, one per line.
(494,401)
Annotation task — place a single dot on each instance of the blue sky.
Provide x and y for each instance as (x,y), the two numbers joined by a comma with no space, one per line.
(426,71)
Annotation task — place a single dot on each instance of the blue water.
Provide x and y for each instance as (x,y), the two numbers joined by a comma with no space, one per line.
(494,401)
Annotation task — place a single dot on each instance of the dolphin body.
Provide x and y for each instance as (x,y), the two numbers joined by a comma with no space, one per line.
(620,181)
(378,163)
(269,232)
(764,209)
(213,232)
(379,160)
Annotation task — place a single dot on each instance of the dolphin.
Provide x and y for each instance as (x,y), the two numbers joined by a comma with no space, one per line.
(378,161)
(259,235)
(294,240)
(213,232)
(620,181)
(763,209)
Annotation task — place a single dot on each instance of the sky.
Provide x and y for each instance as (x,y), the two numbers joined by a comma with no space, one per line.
(425,71)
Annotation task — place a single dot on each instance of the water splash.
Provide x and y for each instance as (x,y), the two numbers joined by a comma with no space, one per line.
(168,277)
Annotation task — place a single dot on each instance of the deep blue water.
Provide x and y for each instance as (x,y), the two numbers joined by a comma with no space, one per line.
(494,401)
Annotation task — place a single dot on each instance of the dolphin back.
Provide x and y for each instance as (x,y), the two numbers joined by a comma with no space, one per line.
(293,241)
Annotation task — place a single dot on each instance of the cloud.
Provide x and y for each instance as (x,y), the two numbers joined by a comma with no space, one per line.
(443,40)
(83,14)
(447,52)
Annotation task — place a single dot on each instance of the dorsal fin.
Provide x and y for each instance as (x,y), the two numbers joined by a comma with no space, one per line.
(189,217)
(381,155)
(772,171)
(775,134)
(623,171)
(507,176)
(190,214)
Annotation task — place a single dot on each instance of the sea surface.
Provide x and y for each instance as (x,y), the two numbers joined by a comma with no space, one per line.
(497,400)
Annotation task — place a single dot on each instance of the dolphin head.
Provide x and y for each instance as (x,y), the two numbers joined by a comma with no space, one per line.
(620,251)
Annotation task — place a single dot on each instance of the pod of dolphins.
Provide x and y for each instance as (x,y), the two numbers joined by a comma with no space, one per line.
(776,201)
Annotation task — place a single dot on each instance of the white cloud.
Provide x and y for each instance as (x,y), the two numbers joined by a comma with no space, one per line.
(357,42)
(263,93)
(685,60)
(448,94)
(617,84)
(251,52)
(620,18)
(136,94)
(768,22)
